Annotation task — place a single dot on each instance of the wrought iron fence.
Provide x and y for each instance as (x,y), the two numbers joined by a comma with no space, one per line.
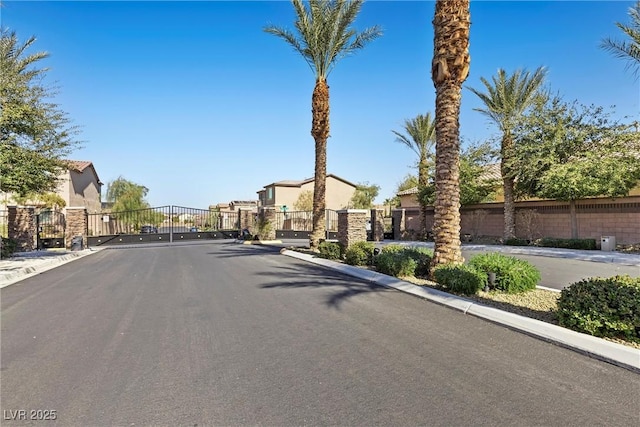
(163,219)
(303,220)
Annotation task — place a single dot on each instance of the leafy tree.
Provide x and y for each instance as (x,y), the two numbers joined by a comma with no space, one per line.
(364,195)
(35,134)
(324,36)
(630,49)
(476,184)
(506,100)
(449,70)
(304,201)
(408,182)
(47,200)
(126,195)
(420,137)
(568,151)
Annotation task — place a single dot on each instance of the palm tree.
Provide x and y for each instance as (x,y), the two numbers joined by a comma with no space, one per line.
(324,36)
(449,69)
(629,50)
(420,137)
(506,99)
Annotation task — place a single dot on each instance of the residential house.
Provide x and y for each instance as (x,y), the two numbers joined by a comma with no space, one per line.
(283,194)
(78,186)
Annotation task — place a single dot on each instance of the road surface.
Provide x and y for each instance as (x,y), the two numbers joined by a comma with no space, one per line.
(218,333)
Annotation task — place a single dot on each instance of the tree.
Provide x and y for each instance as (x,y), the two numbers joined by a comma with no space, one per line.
(568,151)
(364,195)
(476,183)
(449,70)
(630,49)
(420,136)
(324,36)
(126,195)
(35,134)
(304,201)
(506,99)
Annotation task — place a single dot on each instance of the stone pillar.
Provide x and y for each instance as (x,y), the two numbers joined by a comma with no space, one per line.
(247,219)
(352,226)
(22,227)
(76,224)
(399,222)
(268,216)
(377,224)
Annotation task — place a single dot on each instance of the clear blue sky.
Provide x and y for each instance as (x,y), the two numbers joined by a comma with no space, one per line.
(196,102)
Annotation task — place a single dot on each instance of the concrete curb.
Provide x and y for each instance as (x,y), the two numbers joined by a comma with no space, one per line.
(580,255)
(617,354)
(7,279)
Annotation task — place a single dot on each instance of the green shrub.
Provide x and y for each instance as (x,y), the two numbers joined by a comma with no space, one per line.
(399,261)
(392,248)
(460,278)
(330,250)
(513,275)
(604,307)
(360,253)
(548,242)
(422,256)
(8,247)
(515,241)
(395,264)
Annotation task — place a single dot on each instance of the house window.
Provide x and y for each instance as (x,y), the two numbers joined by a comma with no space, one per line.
(270,193)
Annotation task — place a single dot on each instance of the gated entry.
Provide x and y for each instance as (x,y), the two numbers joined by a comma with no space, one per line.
(161,224)
(50,226)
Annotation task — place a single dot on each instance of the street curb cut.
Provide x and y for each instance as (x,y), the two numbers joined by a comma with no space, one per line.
(614,353)
(7,279)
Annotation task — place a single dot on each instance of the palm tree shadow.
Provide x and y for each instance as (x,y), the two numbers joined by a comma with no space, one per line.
(342,287)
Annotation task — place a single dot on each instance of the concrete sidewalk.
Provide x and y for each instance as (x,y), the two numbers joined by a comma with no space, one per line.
(27,264)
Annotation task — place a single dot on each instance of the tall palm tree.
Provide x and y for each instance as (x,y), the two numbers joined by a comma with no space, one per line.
(449,69)
(420,136)
(629,50)
(324,36)
(506,99)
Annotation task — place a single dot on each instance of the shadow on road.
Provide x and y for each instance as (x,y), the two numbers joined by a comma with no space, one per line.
(304,276)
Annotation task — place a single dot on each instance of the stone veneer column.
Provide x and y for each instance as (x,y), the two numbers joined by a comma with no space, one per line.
(268,214)
(247,219)
(76,224)
(399,221)
(22,227)
(377,224)
(352,226)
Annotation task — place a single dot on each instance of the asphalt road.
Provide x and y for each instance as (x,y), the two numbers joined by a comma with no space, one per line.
(559,273)
(225,334)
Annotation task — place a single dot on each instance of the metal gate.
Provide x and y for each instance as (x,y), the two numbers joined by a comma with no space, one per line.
(161,224)
(50,226)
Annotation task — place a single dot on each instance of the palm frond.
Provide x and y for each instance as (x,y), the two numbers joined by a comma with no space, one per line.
(324,32)
(628,50)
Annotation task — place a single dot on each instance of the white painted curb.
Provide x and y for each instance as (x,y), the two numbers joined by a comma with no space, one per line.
(617,354)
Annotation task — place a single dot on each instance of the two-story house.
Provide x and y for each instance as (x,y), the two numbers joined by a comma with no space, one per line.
(285,193)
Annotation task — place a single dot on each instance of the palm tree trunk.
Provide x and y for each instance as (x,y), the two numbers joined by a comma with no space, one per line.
(450,67)
(446,224)
(423,181)
(509,231)
(320,133)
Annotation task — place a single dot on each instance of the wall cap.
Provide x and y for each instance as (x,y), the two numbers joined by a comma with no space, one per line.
(348,211)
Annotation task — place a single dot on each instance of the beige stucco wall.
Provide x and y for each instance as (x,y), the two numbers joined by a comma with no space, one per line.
(286,196)
(84,191)
(338,194)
